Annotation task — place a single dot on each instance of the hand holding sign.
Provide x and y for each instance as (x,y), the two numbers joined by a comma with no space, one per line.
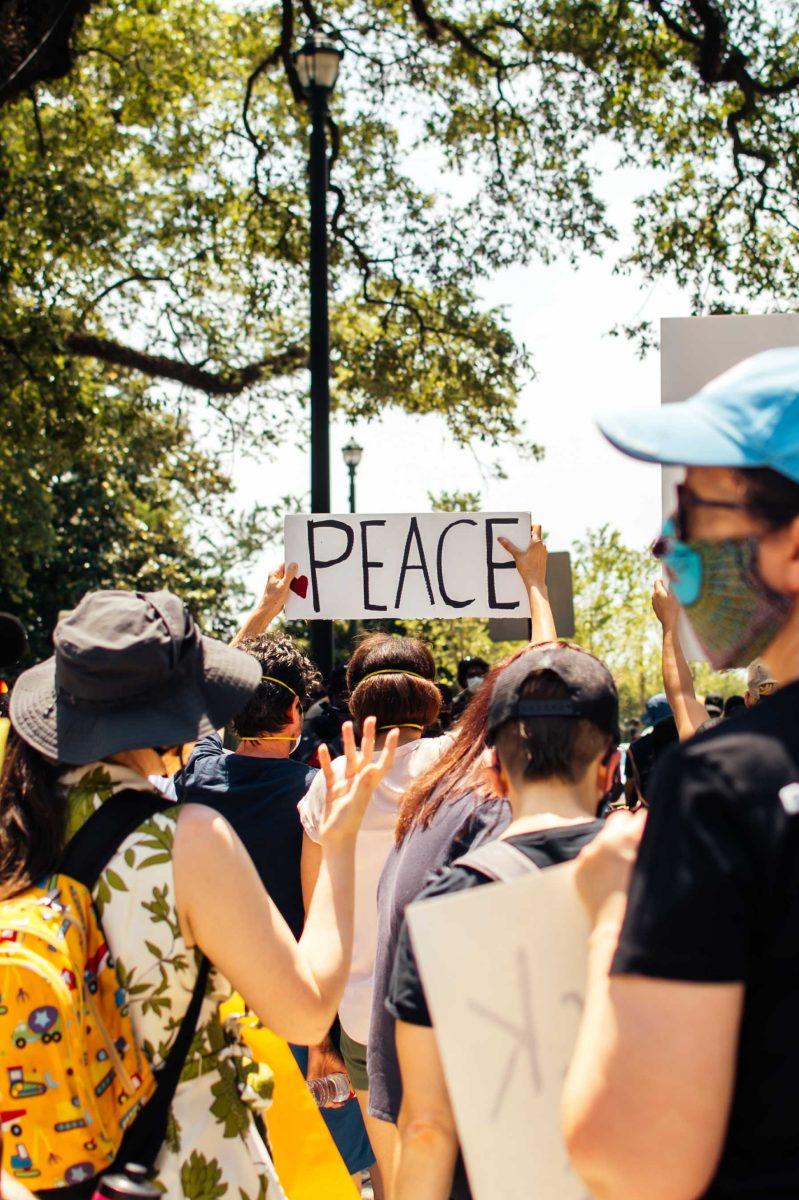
(665,605)
(270,605)
(278,583)
(531,563)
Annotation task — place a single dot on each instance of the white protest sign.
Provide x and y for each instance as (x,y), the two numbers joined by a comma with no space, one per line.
(504,970)
(694,350)
(404,565)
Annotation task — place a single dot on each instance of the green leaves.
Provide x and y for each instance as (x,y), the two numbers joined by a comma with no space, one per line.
(139,206)
(227,1107)
(201,1179)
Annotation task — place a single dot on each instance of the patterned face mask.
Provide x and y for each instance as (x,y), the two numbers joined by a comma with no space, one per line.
(733,613)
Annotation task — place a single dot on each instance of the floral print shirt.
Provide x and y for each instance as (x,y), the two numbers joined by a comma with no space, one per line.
(213,1147)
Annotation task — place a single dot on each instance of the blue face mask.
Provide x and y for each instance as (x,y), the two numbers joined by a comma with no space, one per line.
(732,612)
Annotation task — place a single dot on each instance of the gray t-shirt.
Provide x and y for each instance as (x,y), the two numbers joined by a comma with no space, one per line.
(458,825)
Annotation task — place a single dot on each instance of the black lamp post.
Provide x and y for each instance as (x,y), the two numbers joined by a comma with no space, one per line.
(317,67)
(352,454)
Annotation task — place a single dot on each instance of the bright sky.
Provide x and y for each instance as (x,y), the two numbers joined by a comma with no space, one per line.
(563,315)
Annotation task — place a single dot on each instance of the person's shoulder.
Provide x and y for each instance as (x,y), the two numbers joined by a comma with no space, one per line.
(769,727)
(449,879)
(425,751)
(750,756)
(484,819)
(210,744)
(199,826)
(299,773)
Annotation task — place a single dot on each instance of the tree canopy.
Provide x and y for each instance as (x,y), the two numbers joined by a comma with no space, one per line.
(153,228)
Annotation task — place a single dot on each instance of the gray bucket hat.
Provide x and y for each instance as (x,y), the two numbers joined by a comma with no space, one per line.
(130,670)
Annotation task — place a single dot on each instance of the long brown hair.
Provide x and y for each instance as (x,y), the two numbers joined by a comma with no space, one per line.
(32,818)
(393,679)
(458,769)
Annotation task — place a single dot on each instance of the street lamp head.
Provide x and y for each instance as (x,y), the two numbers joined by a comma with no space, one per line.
(352,453)
(317,62)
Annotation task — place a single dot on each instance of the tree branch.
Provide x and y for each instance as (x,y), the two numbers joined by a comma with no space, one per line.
(158,366)
(718,62)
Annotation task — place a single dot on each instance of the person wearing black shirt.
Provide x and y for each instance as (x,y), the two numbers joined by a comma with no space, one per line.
(683,1081)
(324,720)
(555,771)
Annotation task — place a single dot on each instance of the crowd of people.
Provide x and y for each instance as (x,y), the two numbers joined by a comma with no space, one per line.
(240,827)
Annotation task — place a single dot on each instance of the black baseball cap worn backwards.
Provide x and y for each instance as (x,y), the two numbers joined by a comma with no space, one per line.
(591,692)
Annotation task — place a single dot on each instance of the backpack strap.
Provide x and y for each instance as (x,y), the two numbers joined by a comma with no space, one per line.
(498,861)
(84,859)
(89,852)
(143,1140)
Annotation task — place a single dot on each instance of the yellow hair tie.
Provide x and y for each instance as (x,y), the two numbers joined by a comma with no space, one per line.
(394,671)
(396,725)
(271,679)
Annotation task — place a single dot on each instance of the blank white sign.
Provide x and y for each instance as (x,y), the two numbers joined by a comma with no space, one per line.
(504,970)
(409,565)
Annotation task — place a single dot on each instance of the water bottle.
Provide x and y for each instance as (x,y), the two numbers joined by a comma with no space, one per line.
(330,1089)
(131,1184)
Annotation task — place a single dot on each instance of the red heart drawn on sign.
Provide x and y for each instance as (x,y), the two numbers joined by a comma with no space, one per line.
(300,586)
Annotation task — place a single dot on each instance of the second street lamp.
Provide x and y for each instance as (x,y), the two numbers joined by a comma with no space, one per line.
(317,66)
(352,454)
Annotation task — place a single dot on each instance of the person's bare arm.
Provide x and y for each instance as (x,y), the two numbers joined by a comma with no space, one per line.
(12,1189)
(310,863)
(322,1058)
(294,987)
(647,1097)
(531,563)
(678,684)
(428,1137)
(270,605)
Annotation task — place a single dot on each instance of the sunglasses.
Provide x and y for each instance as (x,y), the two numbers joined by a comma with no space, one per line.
(688,501)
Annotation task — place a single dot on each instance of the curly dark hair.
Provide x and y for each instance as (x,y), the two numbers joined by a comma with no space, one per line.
(269,708)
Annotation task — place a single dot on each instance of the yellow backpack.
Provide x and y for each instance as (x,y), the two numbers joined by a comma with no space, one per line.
(72,1076)
(76,1093)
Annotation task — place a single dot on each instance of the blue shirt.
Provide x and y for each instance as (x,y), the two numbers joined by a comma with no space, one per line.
(259,797)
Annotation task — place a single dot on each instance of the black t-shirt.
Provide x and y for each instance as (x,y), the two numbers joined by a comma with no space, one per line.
(715,899)
(647,750)
(323,723)
(406,999)
(259,797)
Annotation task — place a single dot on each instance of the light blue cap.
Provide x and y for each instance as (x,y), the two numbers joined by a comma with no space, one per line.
(747,417)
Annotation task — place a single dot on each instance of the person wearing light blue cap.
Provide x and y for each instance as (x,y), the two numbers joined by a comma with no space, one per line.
(683,1083)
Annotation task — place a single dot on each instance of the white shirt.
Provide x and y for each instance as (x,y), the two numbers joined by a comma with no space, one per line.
(375,839)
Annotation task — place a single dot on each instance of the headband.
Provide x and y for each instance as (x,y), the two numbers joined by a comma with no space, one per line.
(405,725)
(395,671)
(271,679)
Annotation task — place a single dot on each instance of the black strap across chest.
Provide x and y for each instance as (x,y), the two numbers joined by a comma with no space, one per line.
(84,859)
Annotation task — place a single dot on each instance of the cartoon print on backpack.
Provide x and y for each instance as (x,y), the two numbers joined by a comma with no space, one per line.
(43,1023)
(76,1078)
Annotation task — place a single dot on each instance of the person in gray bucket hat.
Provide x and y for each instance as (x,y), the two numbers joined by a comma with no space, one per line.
(130,669)
(184,912)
